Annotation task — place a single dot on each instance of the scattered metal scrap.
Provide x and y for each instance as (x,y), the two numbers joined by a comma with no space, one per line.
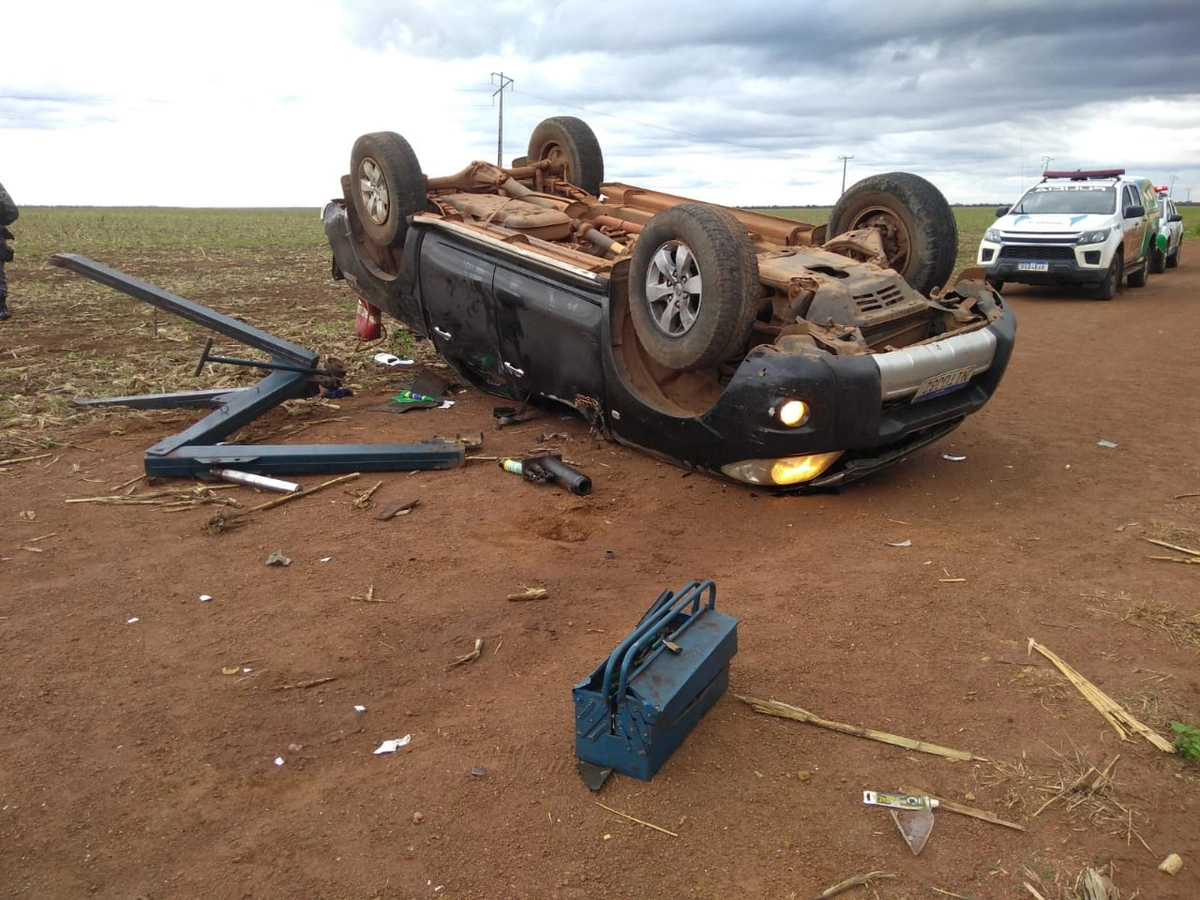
(294,372)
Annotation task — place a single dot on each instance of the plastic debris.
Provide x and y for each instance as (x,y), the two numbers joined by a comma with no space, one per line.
(899,543)
(1109,444)
(952,457)
(279,760)
(132,621)
(360,709)
(388,359)
(325,559)
(478,772)
(204,598)
(393,745)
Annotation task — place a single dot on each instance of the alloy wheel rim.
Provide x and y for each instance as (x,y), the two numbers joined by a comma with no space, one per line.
(372,187)
(674,289)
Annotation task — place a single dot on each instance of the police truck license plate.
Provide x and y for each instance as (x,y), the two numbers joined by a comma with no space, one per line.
(944,383)
(1033,267)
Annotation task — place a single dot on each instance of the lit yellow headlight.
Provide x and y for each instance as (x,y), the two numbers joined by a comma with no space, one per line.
(787,470)
(798,469)
(793,412)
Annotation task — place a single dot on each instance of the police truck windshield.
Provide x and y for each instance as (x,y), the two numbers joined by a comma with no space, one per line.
(1083,199)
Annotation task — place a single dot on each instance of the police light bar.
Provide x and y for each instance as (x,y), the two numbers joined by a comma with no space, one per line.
(1083,174)
(1161,189)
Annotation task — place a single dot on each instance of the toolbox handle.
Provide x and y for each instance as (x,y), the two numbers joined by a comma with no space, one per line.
(646,631)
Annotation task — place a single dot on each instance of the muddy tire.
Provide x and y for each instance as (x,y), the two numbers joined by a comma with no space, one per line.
(569,142)
(1138,279)
(1112,279)
(386,186)
(918,227)
(693,287)
(1157,261)
(1173,259)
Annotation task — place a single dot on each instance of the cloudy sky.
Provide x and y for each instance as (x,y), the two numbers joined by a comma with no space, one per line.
(257,102)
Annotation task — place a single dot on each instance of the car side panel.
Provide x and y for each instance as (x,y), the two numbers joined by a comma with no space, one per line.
(549,334)
(459,303)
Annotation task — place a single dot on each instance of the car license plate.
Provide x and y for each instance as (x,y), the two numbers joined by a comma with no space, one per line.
(1033,267)
(944,383)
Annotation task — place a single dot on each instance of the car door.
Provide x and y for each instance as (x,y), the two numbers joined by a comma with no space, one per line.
(1134,227)
(459,305)
(550,331)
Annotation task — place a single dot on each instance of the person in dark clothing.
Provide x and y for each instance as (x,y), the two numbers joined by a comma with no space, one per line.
(8,215)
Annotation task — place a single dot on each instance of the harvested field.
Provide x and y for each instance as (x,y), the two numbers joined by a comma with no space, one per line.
(161,746)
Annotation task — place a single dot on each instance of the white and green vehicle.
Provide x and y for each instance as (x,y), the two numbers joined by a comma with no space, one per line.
(1170,234)
(1090,228)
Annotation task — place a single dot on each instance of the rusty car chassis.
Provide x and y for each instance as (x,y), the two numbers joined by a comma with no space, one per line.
(739,344)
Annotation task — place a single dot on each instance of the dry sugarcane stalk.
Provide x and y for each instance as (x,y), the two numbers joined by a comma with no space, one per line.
(785,711)
(305,684)
(1116,714)
(271,504)
(466,657)
(1188,550)
(617,812)
(20,459)
(854,881)
(529,594)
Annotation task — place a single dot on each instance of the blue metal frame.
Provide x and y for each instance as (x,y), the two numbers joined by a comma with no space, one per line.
(198,449)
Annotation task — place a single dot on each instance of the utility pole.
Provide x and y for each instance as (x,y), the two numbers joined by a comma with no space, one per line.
(505,82)
(1171,190)
(844,159)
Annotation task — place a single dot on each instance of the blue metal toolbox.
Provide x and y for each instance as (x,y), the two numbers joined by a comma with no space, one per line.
(641,702)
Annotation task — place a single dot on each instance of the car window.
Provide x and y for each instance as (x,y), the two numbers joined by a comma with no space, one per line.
(1063,198)
(1131,196)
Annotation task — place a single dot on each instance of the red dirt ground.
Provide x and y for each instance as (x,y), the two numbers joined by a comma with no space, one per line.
(132,767)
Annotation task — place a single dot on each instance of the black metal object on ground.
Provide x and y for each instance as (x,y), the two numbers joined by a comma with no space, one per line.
(198,449)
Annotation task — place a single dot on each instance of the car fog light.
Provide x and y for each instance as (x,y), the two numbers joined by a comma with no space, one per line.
(793,412)
(788,470)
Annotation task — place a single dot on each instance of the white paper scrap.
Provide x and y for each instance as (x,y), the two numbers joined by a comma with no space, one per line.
(204,598)
(325,559)
(132,621)
(393,745)
(1109,444)
(899,543)
(279,760)
(360,708)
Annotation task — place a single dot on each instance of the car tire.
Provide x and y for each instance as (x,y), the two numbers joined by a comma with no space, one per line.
(1138,279)
(571,143)
(693,287)
(1173,259)
(920,233)
(1158,261)
(995,284)
(386,186)
(1112,279)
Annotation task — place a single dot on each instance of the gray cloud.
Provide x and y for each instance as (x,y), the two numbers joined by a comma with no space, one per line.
(761,77)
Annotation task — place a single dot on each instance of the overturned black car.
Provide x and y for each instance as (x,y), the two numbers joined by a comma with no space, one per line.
(738,344)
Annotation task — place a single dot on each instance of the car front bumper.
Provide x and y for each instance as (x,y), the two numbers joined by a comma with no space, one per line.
(1046,264)
(861,408)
